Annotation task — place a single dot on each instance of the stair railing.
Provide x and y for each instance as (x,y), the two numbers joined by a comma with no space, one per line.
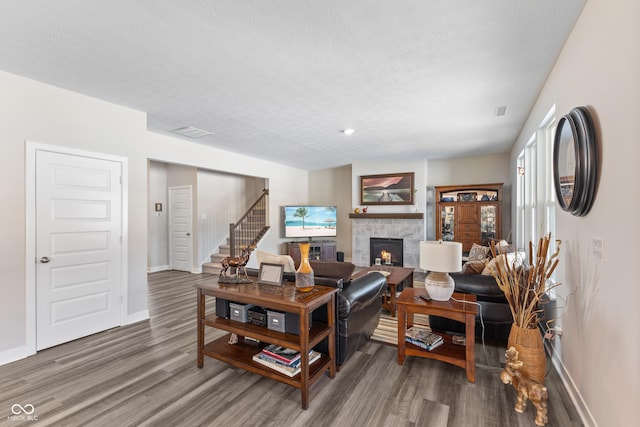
(251,227)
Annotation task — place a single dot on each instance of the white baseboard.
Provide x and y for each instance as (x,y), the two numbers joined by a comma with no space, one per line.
(137,317)
(11,355)
(157,268)
(570,386)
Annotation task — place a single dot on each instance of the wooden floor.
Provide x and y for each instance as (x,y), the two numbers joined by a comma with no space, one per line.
(146,374)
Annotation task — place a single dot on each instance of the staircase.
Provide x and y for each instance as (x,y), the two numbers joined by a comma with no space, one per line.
(249,230)
(214,267)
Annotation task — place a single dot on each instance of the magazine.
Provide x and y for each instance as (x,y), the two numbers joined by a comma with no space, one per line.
(289,371)
(423,338)
(279,352)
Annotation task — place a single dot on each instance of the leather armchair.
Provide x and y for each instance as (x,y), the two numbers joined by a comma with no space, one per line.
(359,304)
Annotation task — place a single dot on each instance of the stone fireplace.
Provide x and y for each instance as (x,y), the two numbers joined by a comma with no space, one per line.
(411,229)
(387,250)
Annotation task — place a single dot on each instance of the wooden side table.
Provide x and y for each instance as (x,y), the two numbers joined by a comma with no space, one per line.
(409,303)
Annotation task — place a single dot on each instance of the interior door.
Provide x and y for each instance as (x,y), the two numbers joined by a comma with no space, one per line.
(181,246)
(78,246)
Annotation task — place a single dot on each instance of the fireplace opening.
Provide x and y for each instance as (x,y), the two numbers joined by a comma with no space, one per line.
(388,251)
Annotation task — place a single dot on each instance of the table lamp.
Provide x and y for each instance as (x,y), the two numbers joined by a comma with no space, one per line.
(440,258)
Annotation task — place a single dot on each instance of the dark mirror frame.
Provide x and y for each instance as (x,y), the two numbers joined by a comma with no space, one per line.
(579,200)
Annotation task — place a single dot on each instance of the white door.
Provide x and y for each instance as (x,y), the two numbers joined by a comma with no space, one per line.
(78,246)
(180,245)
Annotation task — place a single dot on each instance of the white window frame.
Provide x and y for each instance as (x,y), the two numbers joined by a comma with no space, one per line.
(535,194)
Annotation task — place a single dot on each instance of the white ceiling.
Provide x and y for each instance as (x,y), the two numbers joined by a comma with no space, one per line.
(279,79)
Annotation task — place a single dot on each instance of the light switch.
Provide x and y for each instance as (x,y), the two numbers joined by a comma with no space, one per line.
(597,249)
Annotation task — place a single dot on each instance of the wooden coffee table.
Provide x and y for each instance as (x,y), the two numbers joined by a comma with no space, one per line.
(398,279)
(410,303)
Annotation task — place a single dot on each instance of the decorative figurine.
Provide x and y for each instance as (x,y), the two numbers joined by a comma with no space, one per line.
(233,339)
(356,210)
(525,387)
(239,264)
(364,210)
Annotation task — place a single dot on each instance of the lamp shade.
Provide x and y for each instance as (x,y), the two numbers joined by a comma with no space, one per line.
(443,257)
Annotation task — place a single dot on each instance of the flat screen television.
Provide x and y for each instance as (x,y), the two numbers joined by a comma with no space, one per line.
(310,221)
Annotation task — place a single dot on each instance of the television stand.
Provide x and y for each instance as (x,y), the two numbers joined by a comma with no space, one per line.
(318,251)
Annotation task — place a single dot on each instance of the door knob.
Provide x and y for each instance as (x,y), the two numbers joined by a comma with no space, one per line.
(45,259)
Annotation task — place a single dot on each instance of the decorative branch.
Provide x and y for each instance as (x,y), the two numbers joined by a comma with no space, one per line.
(525,287)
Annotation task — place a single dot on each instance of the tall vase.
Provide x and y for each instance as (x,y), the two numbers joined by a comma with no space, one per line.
(528,342)
(304,273)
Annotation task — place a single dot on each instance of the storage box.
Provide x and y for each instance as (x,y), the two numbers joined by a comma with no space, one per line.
(222,308)
(258,316)
(275,320)
(284,321)
(239,312)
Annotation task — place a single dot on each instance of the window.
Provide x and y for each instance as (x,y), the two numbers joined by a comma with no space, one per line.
(535,195)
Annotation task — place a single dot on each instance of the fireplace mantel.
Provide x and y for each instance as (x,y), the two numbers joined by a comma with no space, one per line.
(417,215)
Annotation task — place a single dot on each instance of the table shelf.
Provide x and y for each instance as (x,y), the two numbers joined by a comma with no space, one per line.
(241,355)
(317,332)
(448,352)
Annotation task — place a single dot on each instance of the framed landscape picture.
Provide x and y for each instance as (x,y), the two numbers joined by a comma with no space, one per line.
(387,189)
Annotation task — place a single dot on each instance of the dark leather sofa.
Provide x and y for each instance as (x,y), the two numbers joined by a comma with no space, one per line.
(496,313)
(359,304)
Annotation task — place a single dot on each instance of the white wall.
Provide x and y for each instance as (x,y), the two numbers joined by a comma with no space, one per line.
(158,233)
(330,186)
(33,111)
(492,168)
(333,187)
(222,199)
(30,111)
(599,67)
(488,169)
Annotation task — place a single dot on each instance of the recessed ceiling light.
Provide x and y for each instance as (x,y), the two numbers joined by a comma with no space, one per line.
(348,131)
(191,132)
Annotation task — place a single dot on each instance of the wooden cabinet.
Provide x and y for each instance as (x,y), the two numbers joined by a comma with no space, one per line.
(321,251)
(469,213)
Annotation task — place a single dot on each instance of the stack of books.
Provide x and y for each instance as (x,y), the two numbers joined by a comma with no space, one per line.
(282,359)
(423,338)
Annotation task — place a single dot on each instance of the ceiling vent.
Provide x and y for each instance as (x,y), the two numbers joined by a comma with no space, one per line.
(501,111)
(191,132)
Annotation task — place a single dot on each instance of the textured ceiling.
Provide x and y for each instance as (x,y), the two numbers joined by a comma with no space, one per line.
(279,79)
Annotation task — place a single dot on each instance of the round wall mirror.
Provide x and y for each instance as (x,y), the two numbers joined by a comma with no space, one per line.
(575,158)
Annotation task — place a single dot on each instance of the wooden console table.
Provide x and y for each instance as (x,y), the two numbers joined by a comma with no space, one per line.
(409,303)
(283,298)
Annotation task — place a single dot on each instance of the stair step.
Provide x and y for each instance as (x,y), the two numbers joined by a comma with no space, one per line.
(217,258)
(212,268)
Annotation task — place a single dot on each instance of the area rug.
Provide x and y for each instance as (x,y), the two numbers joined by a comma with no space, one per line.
(387,329)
